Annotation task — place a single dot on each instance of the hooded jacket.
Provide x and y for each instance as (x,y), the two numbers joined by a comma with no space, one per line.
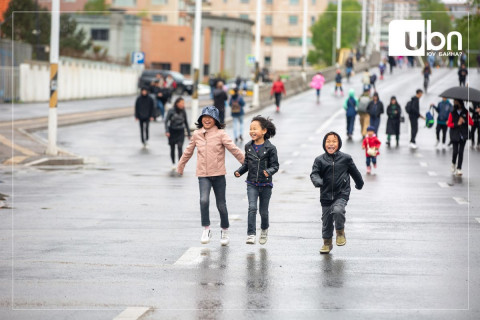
(459,132)
(317,82)
(331,173)
(351,107)
(144,107)
(255,163)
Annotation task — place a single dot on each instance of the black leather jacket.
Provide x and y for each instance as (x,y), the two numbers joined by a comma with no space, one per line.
(255,163)
(331,173)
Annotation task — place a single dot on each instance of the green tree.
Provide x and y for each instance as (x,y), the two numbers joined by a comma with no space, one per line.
(73,41)
(436,11)
(96,6)
(471,40)
(323,31)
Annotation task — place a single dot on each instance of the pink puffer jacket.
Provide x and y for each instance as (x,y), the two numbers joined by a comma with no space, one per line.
(210,146)
(317,81)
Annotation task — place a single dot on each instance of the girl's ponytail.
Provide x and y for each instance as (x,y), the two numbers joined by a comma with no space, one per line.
(266,123)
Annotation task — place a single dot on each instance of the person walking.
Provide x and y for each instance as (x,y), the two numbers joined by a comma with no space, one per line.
(219,99)
(317,83)
(458,122)
(475,111)
(175,125)
(382,67)
(349,67)
(375,109)
(277,89)
(364,117)
(261,162)
(427,71)
(158,91)
(392,63)
(144,113)
(211,141)
(366,80)
(394,113)
(331,173)
(350,106)
(237,104)
(462,75)
(413,110)
(443,111)
(212,82)
(338,82)
(371,145)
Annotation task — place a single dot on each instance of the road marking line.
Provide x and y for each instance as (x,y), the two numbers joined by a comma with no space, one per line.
(10,144)
(460,200)
(288,162)
(443,184)
(432,173)
(132,313)
(192,256)
(423,164)
(478,220)
(329,121)
(295,153)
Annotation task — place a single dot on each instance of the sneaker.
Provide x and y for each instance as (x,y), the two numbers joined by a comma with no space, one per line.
(251,239)
(263,236)
(413,145)
(278,109)
(444,146)
(375,165)
(369,170)
(174,168)
(453,167)
(388,143)
(459,172)
(206,235)
(224,238)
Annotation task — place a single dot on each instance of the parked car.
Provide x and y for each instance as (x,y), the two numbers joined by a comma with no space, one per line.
(183,85)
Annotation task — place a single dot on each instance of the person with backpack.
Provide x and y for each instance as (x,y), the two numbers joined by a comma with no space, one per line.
(375,109)
(458,122)
(144,113)
(475,111)
(350,106)
(394,113)
(373,79)
(364,117)
(338,82)
(175,125)
(443,111)
(237,103)
(413,110)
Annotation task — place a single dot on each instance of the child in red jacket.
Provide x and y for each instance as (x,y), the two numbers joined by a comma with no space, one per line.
(371,144)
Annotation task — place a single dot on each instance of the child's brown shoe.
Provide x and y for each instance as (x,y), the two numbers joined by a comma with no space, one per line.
(341,240)
(327,246)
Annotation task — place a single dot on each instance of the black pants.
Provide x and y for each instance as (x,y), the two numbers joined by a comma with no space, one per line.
(458,148)
(144,129)
(221,115)
(472,134)
(278,98)
(442,128)
(172,151)
(414,126)
(462,82)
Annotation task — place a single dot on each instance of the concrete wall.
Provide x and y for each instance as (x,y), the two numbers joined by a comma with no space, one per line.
(77,79)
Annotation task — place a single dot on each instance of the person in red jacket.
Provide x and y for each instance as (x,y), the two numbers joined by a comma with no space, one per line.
(277,89)
(458,122)
(371,144)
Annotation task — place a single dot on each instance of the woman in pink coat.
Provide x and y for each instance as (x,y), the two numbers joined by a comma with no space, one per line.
(317,83)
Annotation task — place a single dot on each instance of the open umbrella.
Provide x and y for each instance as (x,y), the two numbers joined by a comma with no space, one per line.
(462,93)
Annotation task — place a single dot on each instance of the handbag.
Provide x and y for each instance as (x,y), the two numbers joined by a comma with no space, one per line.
(372,152)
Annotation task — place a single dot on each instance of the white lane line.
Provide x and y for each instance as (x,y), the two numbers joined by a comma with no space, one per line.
(478,220)
(443,184)
(432,173)
(132,313)
(329,121)
(460,200)
(288,162)
(192,256)
(295,154)
(423,164)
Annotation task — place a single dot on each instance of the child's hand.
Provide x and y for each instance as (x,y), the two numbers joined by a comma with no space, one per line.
(265,173)
(237,174)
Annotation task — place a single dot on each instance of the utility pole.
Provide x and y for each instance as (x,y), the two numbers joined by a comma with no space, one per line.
(54,48)
(196,59)
(339,24)
(256,86)
(364,23)
(304,40)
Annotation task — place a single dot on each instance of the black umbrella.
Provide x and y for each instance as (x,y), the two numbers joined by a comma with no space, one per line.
(462,93)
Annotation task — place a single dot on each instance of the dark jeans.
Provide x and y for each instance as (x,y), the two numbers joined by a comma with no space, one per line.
(350,124)
(161,108)
(219,185)
(172,151)
(458,149)
(372,159)
(441,128)
(144,129)
(375,122)
(278,98)
(254,194)
(221,115)
(414,127)
(334,213)
(472,134)
(462,82)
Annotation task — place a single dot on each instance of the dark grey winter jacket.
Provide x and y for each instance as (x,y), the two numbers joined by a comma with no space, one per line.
(255,163)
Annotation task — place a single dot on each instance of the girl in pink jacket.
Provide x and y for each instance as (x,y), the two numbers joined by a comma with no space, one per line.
(211,141)
(317,83)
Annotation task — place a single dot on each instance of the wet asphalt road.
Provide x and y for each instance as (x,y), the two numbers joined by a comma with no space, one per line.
(124,231)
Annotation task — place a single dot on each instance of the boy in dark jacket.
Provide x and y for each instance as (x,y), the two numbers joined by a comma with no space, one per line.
(443,110)
(331,173)
(144,113)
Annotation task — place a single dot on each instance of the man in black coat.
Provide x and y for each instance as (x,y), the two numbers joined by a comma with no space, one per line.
(144,112)
(413,110)
(219,99)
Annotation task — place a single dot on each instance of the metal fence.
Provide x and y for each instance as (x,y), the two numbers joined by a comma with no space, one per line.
(9,84)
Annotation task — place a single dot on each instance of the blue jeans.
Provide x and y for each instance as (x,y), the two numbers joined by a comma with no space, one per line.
(375,122)
(219,185)
(161,107)
(350,124)
(237,126)
(372,159)
(254,193)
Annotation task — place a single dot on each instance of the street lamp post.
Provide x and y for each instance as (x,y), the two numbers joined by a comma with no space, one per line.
(364,23)
(256,86)
(54,47)
(304,40)
(196,60)
(339,24)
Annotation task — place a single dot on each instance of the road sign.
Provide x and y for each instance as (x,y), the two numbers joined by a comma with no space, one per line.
(138,57)
(250,60)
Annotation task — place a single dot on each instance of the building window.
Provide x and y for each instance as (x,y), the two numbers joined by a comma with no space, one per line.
(269,1)
(99,34)
(268,19)
(314,2)
(206,69)
(159,2)
(267,61)
(244,16)
(293,2)
(294,41)
(293,20)
(159,18)
(268,41)
(185,68)
(294,61)
(182,21)
(244,1)
(124,3)
(161,65)
(312,20)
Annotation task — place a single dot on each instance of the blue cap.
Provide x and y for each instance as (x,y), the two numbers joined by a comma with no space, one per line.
(370,128)
(211,111)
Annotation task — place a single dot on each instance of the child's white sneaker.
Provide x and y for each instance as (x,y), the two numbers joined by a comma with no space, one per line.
(206,235)
(459,172)
(453,168)
(263,236)
(224,238)
(251,239)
